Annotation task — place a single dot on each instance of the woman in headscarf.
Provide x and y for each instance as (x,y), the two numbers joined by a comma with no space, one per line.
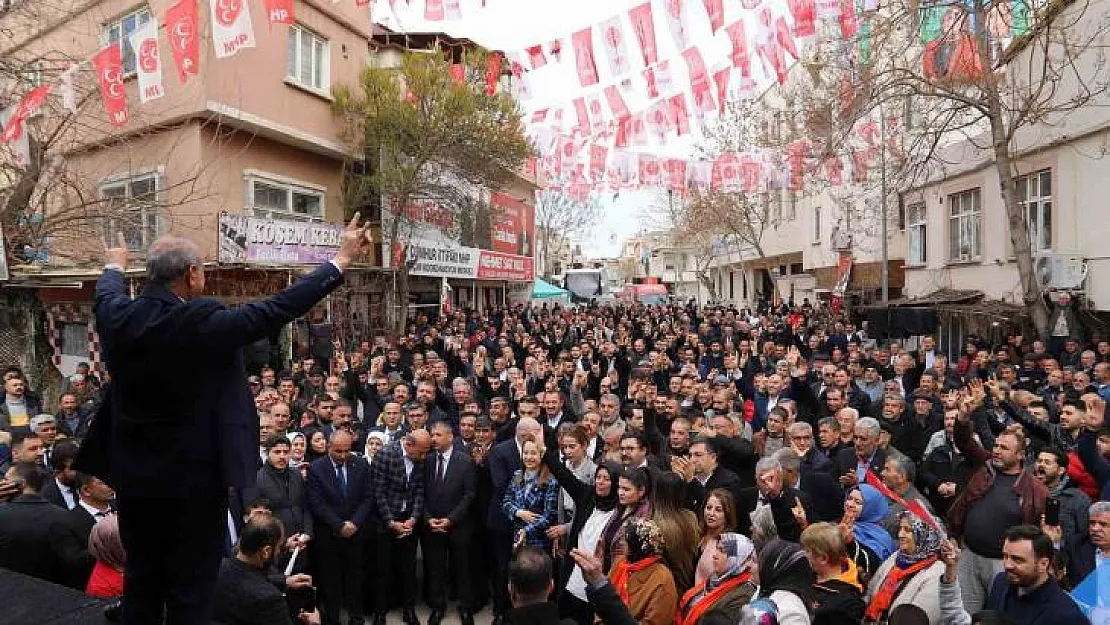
(911,575)
(642,580)
(785,585)
(297,445)
(105,544)
(374,443)
(867,541)
(594,507)
(730,586)
(718,516)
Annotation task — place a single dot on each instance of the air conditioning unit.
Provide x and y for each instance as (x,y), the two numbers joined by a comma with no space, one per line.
(1060,271)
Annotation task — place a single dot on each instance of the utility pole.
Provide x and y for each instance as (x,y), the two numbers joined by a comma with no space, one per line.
(882,205)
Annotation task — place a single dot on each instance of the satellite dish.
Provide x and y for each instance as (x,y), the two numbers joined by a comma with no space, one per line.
(613,237)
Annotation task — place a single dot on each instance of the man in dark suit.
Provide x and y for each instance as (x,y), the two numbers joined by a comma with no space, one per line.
(397,477)
(503,461)
(62,489)
(481,553)
(448,496)
(851,464)
(93,504)
(339,498)
(707,475)
(36,537)
(243,592)
(181,422)
(818,486)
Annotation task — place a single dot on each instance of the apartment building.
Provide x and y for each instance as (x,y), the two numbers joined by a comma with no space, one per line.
(957,231)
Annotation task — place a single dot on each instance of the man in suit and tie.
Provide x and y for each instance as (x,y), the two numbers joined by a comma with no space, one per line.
(94,503)
(705,474)
(503,461)
(818,486)
(397,477)
(180,425)
(339,498)
(481,554)
(447,533)
(62,490)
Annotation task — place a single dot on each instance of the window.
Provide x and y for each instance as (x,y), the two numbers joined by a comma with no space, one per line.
(817,225)
(1035,194)
(915,234)
(963,226)
(306,60)
(121,29)
(131,208)
(74,339)
(284,200)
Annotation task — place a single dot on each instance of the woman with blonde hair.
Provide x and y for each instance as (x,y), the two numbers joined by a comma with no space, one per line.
(532,499)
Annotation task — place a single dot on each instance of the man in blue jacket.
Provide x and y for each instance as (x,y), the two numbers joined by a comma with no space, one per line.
(1024,591)
(180,426)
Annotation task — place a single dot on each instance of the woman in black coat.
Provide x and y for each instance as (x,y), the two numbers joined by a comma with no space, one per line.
(594,505)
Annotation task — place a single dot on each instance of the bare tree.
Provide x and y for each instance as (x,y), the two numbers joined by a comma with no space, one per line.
(559,216)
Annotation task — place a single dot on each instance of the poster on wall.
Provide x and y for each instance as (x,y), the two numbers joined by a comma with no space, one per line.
(513,225)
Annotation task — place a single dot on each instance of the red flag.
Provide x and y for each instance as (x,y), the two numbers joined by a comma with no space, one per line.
(599,154)
(834,170)
(769,47)
(658,79)
(726,172)
(30,103)
(493,74)
(181,31)
(716,11)
(649,170)
(458,73)
(680,115)
(616,103)
(536,56)
(597,113)
(279,11)
(674,169)
(583,42)
(109,72)
(433,10)
(913,506)
(638,130)
(751,173)
(849,25)
(741,57)
(644,27)
(795,151)
(700,85)
(859,166)
(784,38)
(721,77)
(805,17)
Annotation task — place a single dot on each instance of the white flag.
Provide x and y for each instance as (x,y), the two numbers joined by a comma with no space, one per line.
(231,27)
(616,47)
(148,62)
(21,146)
(69,96)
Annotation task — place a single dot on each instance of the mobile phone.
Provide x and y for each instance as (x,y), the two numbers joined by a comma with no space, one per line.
(1052,512)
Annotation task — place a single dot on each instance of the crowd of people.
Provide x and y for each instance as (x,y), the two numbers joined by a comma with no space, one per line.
(674,464)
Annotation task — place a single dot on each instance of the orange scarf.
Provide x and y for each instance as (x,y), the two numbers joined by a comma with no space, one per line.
(623,570)
(702,606)
(914,507)
(881,603)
